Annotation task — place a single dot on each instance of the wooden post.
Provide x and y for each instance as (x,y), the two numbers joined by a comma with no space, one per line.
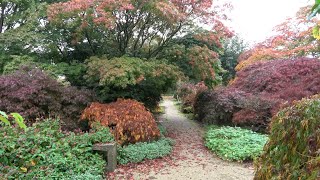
(109,151)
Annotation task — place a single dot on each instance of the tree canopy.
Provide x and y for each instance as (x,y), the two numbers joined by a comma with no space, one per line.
(293,38)
(136,28)
(89,42)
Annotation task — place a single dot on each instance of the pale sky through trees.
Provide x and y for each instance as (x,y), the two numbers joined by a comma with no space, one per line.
(254,20)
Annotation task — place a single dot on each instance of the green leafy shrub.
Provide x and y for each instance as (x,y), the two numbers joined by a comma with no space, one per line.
(131,78)
(206,65)
(4,58)
(293,149)
(234,143)
(144,150)
(44,152)
(198,55)
(233,48)
(15,62)
(73,72)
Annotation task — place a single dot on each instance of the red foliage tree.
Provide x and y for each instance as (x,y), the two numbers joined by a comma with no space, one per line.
(128,120)
(205,64)
(293,39)
(34,94)
(187,93)
(283,79)
(138,26)
(259,91)
(218,106)
(274,83)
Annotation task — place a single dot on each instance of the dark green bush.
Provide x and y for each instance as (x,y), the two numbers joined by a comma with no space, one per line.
(234,143)
(14,63)
(293,149)
(131,78)
(44,152)
(73,72)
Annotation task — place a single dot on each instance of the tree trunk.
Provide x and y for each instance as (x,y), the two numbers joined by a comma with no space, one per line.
(2,16)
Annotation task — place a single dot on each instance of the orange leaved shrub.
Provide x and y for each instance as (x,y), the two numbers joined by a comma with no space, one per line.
(128,120)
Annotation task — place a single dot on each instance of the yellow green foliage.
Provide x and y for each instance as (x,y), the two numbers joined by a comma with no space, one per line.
(293,150)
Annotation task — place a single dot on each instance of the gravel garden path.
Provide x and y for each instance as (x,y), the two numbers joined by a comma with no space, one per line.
(189,160)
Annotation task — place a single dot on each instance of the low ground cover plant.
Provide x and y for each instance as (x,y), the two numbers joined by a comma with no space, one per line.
(292,151)
(43,151)
(235,143)
(134,153)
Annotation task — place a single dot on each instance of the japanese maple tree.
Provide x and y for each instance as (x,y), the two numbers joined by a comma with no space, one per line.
(139,28)
(293,39)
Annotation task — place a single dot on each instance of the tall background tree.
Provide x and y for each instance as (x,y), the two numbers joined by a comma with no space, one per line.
(293,38)
(143,41)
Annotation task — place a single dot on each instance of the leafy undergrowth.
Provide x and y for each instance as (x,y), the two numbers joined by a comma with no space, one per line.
(234,143)
(162,129)
(126,171)
(187,111)
(140,151)
(44,152)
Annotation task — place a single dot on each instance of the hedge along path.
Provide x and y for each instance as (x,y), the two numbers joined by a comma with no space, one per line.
(190,159)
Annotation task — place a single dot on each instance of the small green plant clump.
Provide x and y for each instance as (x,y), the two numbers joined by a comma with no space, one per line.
(293,151)
(134,153)
(234,143)
(162,129)
(42,151)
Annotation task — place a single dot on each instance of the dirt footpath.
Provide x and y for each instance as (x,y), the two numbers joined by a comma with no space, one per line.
(189,159)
